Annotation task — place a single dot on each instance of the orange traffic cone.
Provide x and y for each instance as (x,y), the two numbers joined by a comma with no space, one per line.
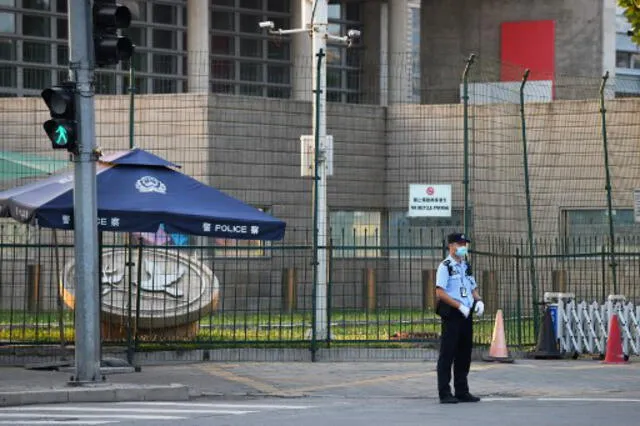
(614,354)
(498,351)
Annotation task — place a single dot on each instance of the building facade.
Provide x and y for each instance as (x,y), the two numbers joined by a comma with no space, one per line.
(217,46)
(627,58)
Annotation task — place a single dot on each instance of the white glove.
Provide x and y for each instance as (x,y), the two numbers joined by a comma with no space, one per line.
(479,308)
(464,310)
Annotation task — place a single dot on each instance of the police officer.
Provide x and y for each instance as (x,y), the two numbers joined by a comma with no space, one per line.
(457,301)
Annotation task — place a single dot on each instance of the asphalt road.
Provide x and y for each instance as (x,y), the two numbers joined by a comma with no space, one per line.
(334,411)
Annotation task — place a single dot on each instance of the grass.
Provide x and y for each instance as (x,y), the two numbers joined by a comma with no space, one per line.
(391,327)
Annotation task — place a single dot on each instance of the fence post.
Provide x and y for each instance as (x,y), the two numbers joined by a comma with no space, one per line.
(559,281)
(465,179)
(603,112)
(428,289)
(518,298)
(527,189)
(289,289)
(369,302)
(490,291)
(33,287)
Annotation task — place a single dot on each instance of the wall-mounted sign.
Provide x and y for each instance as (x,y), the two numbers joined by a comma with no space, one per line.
(429,200)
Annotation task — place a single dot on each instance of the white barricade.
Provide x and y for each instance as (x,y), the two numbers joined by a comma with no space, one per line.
(582,328)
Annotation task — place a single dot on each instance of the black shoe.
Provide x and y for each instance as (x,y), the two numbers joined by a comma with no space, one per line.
(448,399)
(467,397)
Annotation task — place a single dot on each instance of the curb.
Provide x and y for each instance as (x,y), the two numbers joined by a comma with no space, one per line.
(96,393)
(168,357)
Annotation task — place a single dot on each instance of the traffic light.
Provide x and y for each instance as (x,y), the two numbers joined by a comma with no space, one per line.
(109,47)
(61,129)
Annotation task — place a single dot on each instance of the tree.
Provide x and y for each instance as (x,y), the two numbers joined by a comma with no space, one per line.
(632,13)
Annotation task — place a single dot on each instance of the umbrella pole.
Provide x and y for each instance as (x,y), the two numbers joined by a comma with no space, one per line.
(138,294)
(130,348)
(100,242)
(130,295)
(56,250)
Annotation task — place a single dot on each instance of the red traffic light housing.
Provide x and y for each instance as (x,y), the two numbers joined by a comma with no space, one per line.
(61,128)
(109,47)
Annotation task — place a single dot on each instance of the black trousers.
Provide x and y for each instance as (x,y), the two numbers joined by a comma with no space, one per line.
(455,349)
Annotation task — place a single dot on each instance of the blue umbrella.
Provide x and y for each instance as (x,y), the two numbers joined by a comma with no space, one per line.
(137,192)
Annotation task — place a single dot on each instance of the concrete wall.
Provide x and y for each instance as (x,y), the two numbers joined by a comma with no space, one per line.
(566,171)
(255,155)
(454,29)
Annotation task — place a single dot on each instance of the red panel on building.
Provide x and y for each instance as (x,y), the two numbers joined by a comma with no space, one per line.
(528,44)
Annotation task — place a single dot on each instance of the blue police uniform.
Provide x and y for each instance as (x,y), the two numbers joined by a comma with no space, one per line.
(452,277)
(456,279)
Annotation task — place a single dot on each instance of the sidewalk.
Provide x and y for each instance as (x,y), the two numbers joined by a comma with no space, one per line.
(399,379)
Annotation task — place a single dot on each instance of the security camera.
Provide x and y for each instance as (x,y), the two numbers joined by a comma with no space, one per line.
(267,25)
(353,34)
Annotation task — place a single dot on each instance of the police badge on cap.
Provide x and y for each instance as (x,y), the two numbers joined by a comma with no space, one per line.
(457,238)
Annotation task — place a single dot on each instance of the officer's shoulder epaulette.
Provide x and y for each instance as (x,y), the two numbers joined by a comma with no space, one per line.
(447,263)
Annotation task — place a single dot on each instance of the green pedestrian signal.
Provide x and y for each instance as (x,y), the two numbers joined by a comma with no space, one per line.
(61,136)
(61,128)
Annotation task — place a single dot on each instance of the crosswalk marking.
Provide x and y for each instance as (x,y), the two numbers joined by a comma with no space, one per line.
(58,422)
(222,405)
(116,412)
(67,409)
(92,416)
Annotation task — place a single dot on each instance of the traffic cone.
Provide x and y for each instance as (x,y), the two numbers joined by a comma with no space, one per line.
(547,347)
(613,354)
(498,351)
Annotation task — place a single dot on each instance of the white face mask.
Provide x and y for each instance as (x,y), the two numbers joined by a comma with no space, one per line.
(462,251)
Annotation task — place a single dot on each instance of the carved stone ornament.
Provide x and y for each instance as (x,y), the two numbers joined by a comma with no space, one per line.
(174,290)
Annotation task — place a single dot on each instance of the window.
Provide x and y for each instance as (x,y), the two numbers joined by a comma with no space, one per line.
(415,54)
(421,236)
(36,52)
(39,26)
(8,50)
(7,22)
(355,233)
(36,4)
(164,14)
(41,56)
(165,39)
(36,78)
(627,60)
(344,67)
(587,231)
(244,59)
(7,76)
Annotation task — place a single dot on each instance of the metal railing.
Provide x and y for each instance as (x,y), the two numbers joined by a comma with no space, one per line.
(206,294)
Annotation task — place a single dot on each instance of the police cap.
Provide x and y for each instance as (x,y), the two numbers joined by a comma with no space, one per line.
(457,237)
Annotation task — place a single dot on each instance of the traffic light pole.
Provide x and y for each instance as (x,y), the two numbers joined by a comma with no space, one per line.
(87,308)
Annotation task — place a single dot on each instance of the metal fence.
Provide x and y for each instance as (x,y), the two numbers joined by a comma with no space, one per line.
(542,173)
(162,295)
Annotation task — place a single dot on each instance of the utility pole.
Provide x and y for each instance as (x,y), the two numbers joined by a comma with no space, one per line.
(85,218)
(317,28)
(319,46)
